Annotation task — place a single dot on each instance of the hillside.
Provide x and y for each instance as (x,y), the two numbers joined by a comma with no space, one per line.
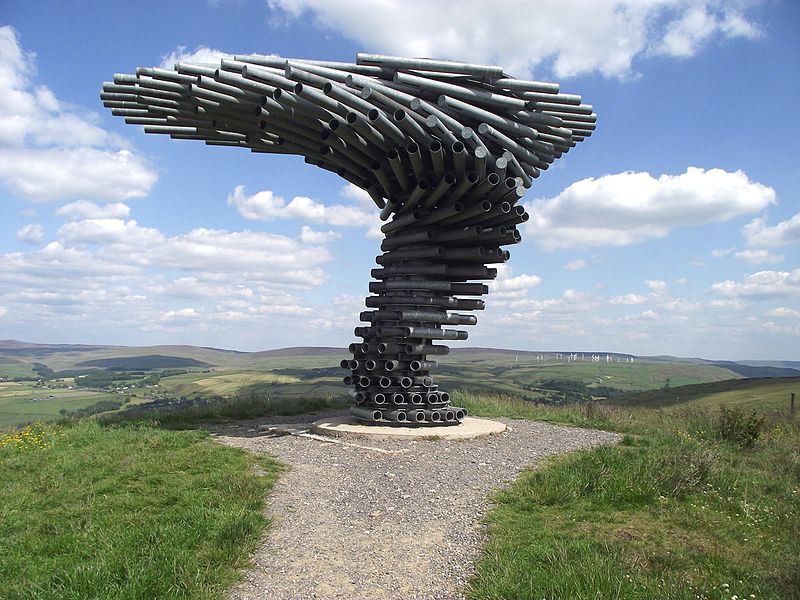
(764,394)
(42,381)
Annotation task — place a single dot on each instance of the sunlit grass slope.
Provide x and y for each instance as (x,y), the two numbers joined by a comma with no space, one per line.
(684,508)
(126,512)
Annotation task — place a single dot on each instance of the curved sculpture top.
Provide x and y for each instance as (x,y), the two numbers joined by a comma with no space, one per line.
(446,149)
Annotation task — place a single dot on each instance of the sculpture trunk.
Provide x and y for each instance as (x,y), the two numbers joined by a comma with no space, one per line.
(445,150)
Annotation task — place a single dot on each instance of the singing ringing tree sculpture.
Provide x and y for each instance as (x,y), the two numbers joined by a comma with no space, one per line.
(445,149)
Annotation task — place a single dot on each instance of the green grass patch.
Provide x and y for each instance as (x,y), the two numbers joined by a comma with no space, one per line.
(88,511)
(594,414)
(227,409)
(676,510)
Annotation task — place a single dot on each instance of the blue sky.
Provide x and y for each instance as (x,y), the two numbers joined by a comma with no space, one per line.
(673,230)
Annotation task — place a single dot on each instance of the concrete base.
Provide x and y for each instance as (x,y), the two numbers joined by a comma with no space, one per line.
(349,426)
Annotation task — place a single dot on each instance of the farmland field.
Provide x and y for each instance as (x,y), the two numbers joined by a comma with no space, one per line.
(172,372)
(23,402)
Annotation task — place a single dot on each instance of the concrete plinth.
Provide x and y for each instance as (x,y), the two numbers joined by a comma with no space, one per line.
(349,426)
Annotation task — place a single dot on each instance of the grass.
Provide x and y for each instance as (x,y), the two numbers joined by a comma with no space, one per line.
(671,512)
(592,415)
(88,511)
(228,409)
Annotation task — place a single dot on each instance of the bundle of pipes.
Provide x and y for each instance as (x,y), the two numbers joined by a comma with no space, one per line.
(445,149)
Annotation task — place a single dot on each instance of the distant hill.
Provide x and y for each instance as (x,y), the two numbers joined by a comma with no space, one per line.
(143,363)
(753,393)
(745,368)
(60,357)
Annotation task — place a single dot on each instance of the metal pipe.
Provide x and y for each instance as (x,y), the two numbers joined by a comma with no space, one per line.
(458,155)
(486,116)
(521,85)
(396,415)
(396,164)
(416,416)
(446,182)
(434,416)
(411,127)
(412,149)
(366,413)
(445,121)
(437,158)
(460,189)
(426,349)
(358,122)
(433,333)
(472,94)
(427,64)
(416,194)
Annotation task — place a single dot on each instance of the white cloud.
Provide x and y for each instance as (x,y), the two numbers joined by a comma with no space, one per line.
(763,284)
(359,196)
(567,37)
(627,208)
(720,252)
(49,151)
(181,314)
(628,299)
(266,206)
(59,173)
(687,33)
(30,234)
(310,236)
(109,231)
(520,282)
(758,257)
(103,248)
(758,233)
(575,265)
(657,286)
(506,285)
(115,275)
(784,313)
(83,209)
(3,311)
(201,54)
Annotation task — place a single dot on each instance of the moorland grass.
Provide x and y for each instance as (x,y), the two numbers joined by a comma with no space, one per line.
(91,511)
(593,415)
(681,508)
(235,408)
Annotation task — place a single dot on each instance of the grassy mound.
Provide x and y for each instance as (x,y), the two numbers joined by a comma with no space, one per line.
(88,511)
(692,504)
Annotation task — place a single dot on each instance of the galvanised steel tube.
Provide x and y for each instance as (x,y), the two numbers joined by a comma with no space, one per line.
(428,64)
(483,115)
(521,85)
(472,94)
(397,129)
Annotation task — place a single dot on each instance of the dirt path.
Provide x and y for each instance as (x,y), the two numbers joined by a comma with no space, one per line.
(385,519)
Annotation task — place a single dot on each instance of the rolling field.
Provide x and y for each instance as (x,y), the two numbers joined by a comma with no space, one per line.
(761,394)
(294,374)
(22,402)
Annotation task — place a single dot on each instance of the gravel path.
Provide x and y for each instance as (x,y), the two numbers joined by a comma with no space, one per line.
(384,519)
